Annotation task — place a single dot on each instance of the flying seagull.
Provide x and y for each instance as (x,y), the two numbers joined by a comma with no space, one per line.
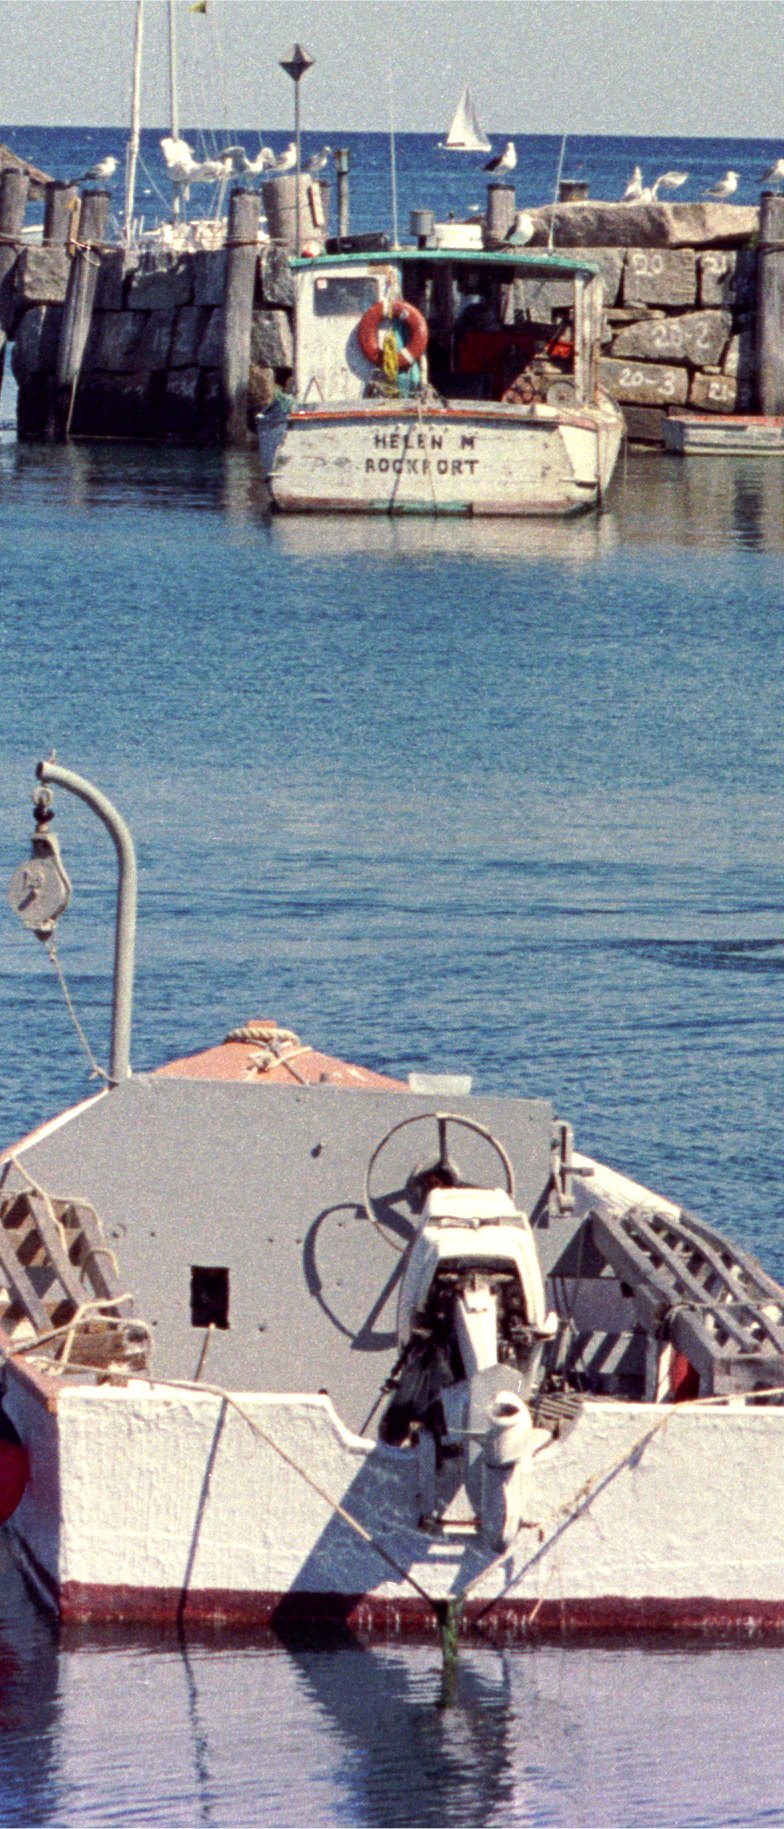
(672,180)
(634,190)
(726,186)
(774,173)
(99,173)
(503,161)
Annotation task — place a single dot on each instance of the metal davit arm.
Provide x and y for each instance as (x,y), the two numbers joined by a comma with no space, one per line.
(125,931)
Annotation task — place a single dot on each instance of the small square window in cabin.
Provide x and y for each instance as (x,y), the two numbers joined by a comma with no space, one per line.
(345,295)
(209,1296)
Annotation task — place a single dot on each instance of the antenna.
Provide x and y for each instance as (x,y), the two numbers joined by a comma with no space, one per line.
(555,194)
(392,163)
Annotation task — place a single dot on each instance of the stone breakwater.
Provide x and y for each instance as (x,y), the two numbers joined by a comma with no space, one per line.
(680,295)
(110,342)
(151,365)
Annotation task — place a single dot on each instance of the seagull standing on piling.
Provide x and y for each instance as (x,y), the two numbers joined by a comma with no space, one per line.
(503,161)
(774,173)
(264,161)
(286,162)
(726,186)
(99,173)
(319,160)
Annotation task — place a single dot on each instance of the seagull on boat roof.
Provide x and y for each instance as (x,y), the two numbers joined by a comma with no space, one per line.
(503,161)
(726,186)
(672,180)
(98,173)
(634,189)
(774,173)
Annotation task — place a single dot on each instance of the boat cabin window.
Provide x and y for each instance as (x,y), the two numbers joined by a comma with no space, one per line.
(343,295)
(209,1295)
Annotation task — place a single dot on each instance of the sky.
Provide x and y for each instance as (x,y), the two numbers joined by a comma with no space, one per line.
(694,67)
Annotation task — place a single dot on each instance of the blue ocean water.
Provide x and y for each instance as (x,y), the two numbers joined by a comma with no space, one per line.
(496,798)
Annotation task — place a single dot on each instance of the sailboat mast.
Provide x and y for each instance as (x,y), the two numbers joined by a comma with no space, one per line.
(173,108)
(132,155)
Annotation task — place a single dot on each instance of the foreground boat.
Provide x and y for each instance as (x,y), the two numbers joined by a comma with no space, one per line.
(436,380)
(287,1342)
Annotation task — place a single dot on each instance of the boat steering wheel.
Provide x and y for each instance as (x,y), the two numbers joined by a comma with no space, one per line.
(441,1173)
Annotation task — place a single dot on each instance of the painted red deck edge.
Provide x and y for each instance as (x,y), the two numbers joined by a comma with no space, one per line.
(367,1616)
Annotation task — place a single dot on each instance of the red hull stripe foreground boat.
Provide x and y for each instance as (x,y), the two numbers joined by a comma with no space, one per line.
(288,1343)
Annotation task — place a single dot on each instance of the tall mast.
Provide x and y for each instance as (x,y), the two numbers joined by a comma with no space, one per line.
(132,155)
(173,109)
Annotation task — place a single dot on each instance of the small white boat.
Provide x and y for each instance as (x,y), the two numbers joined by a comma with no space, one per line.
(456,404)
(723,434)
(465,133)
(287,1342)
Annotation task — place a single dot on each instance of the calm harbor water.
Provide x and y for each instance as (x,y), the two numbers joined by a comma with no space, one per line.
(501,799)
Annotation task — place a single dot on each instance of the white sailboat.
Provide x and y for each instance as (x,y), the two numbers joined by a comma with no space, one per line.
(465,134)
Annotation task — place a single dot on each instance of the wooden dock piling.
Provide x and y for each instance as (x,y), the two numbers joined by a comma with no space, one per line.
(78,308)
(770,304)
(61,212)
(241,261)
(341,173)
(14,189)
(501,208)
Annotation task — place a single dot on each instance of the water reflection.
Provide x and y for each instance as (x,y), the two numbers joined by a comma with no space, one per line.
(695,502)
(97,1726)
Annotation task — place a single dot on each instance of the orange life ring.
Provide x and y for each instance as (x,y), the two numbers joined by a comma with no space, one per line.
(416,331)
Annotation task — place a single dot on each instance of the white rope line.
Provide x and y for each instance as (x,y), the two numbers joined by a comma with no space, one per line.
(98,1072)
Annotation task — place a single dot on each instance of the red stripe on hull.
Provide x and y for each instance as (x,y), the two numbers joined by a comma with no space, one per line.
(370,1616)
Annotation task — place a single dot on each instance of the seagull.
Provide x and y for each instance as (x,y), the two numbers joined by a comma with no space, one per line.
(264,161)
(726,186)
(286,162)
(672,180)
(774,173)
(319,160)
(503,161)
(634,189)
(99,173)
(522,230)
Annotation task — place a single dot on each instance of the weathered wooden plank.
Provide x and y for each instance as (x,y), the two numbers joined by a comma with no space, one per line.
(241,258)
(770,305)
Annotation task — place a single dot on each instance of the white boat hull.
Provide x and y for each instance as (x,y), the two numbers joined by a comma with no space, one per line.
(154,1504)
(162,1502)
(381,458)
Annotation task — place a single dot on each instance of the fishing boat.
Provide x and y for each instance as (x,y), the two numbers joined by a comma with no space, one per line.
(465,133)
(287,1342)
(443,380)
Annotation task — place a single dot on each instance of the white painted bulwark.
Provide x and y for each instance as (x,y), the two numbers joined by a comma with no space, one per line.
(483,460)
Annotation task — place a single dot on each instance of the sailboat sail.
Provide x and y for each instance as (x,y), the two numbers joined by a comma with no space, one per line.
(465,133)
